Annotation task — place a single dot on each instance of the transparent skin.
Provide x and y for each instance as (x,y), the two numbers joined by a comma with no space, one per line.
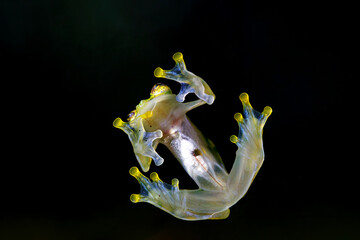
(162,119)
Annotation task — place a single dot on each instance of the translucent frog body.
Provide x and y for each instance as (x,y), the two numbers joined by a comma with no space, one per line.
(162,119)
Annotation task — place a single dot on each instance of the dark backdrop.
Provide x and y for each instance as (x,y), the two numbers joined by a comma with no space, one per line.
(71,67)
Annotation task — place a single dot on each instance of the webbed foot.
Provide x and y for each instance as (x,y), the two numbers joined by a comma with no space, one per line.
(183,204)
(143,142)
(156,192)
(250,153)
(252,123)
(190,83)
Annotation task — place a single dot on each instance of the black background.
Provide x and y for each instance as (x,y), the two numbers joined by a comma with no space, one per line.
(71,67)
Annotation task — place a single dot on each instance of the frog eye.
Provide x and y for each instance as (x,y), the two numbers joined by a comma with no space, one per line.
(131,115)
(159,89)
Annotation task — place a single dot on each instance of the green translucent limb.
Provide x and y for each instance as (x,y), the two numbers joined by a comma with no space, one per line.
(250,153)
(190,83)
(183,204)
(144,143)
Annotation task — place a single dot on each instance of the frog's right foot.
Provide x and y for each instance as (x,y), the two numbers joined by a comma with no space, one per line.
(190,83)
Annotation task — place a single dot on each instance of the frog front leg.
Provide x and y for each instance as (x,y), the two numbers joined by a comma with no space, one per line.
(190,83)
(144,143)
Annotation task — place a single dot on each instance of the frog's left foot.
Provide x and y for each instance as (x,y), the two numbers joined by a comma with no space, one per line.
(190,83)
(183,204)
(156,192)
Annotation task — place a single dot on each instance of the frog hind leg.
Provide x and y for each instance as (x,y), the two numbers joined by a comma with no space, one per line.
(183,204)
(250,153)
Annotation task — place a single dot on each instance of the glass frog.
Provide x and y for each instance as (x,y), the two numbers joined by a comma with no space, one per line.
(162,119)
